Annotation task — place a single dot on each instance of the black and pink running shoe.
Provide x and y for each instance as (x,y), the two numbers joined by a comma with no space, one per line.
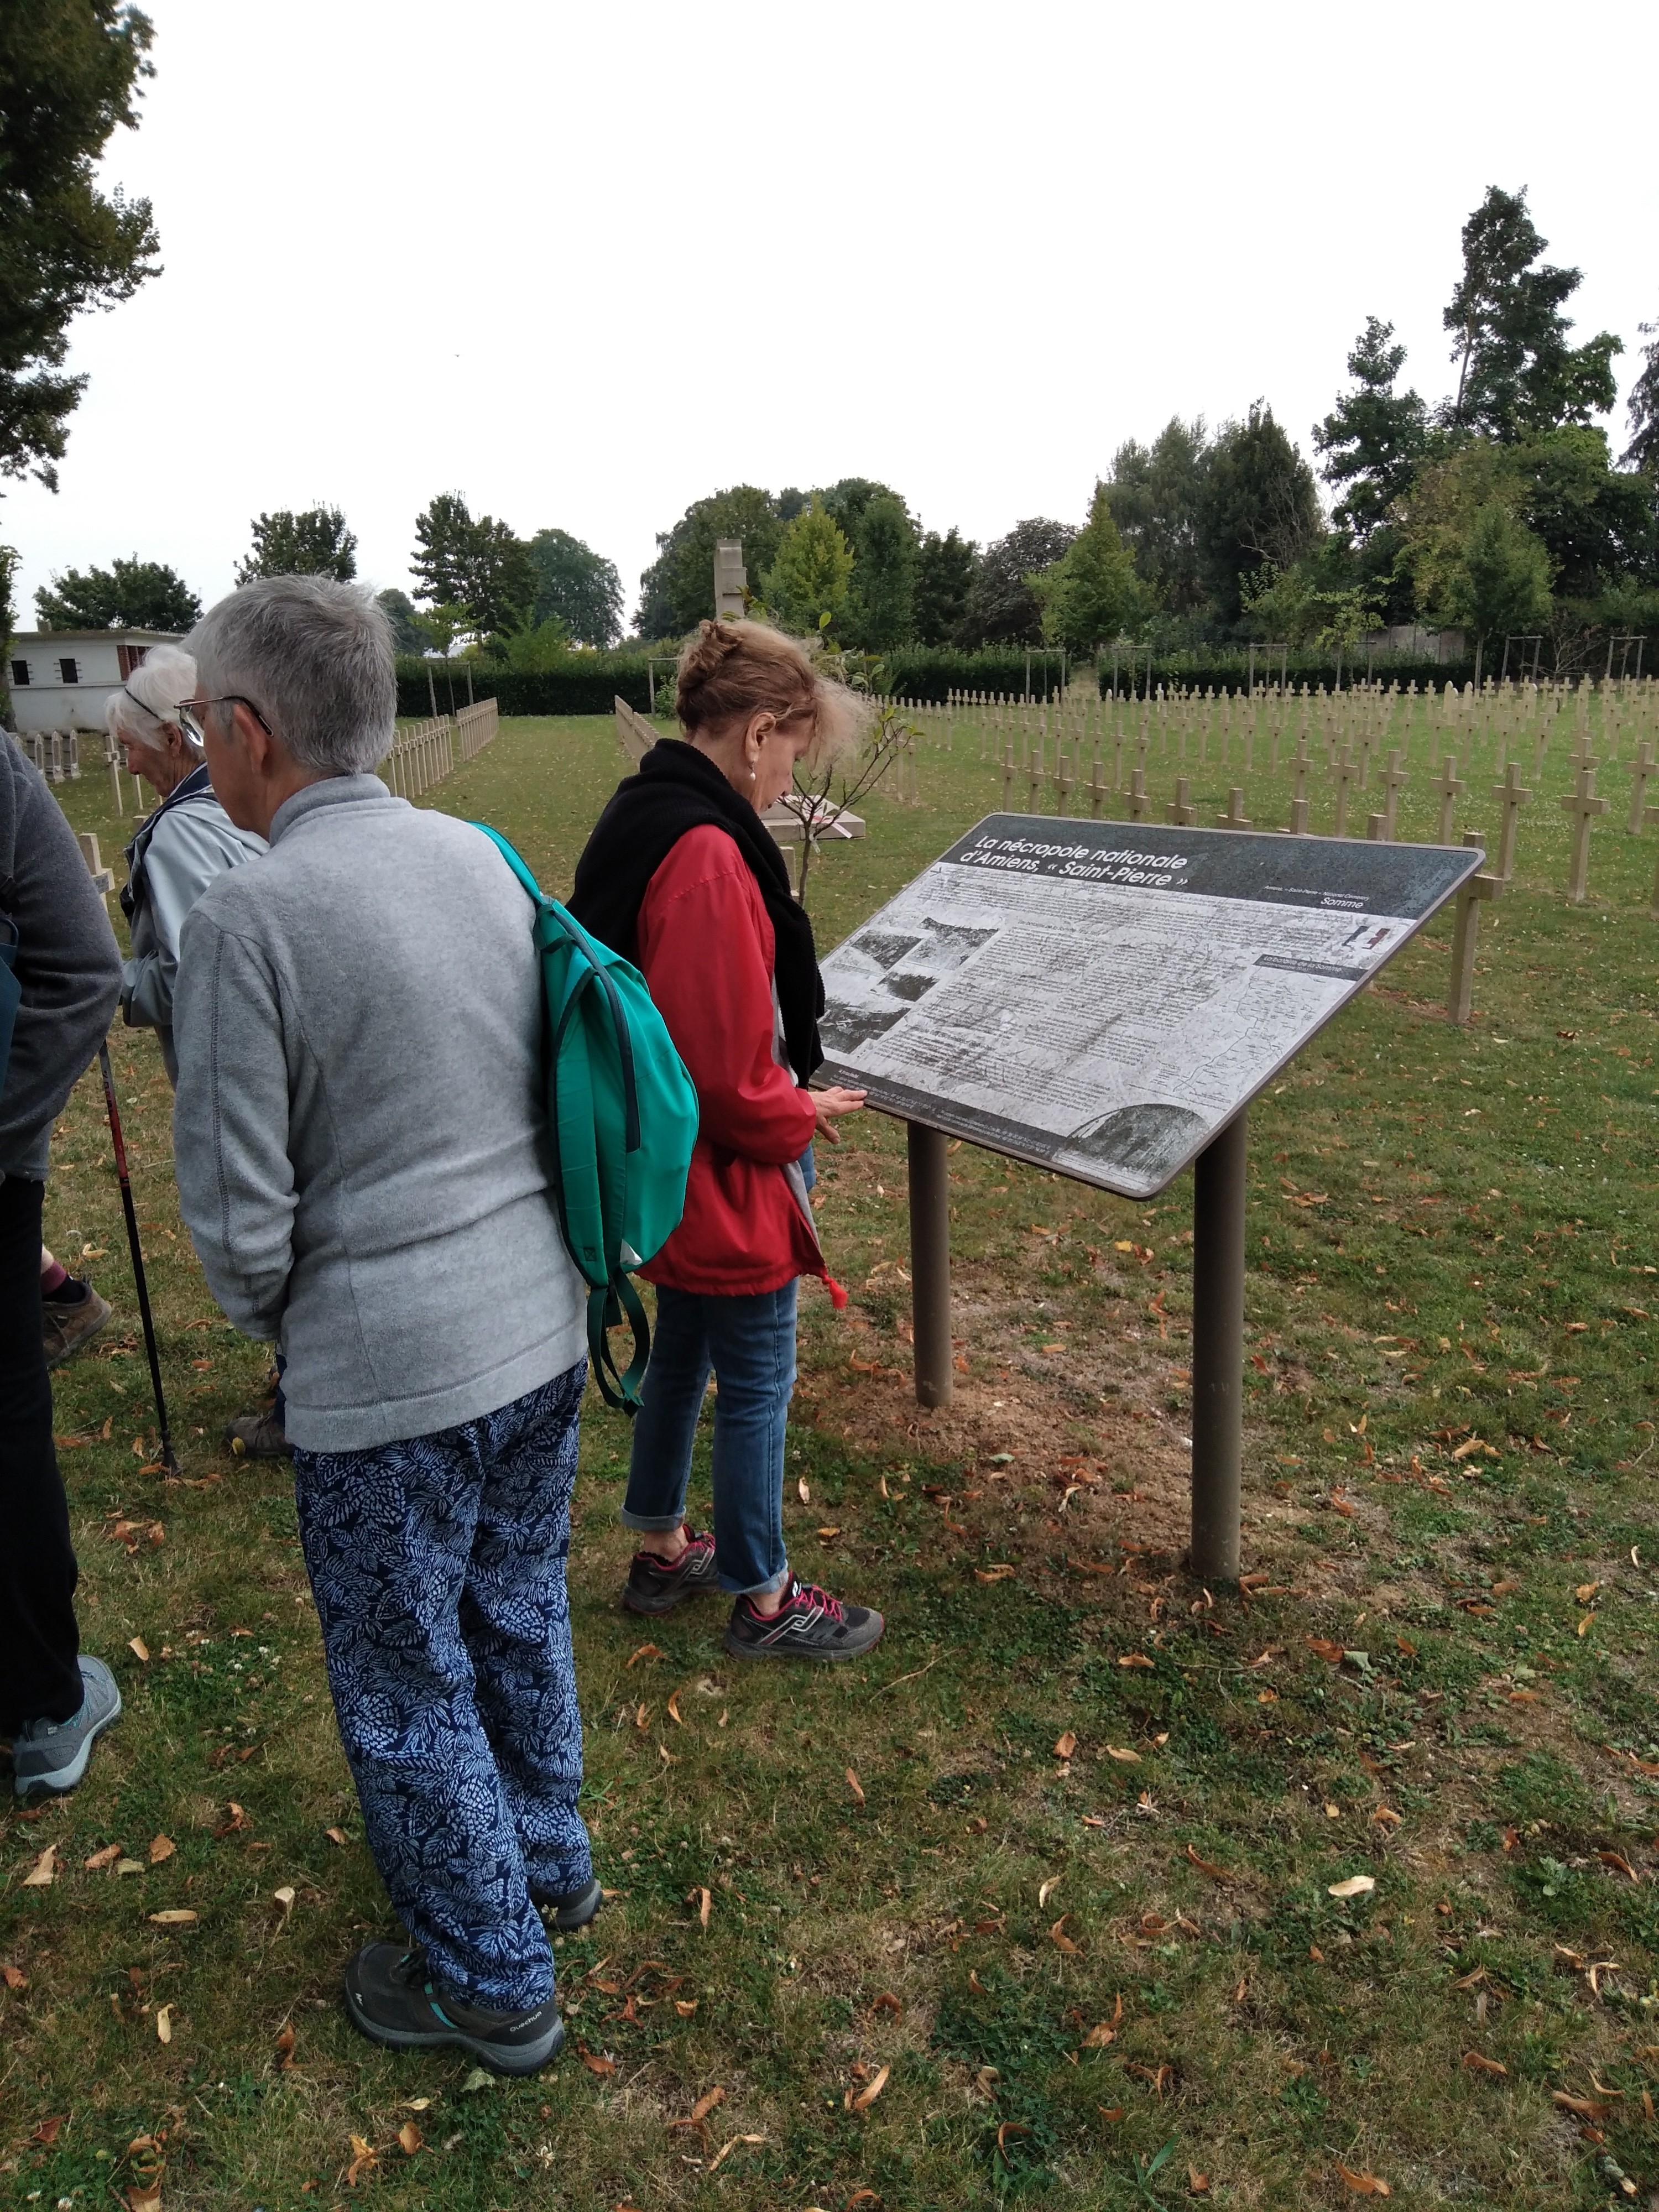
(809,1623)
(652,1586)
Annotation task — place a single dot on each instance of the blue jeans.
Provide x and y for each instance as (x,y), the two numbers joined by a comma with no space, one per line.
(750,1343)
(438,1565)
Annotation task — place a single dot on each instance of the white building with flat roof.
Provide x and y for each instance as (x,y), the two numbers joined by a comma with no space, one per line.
(61,678)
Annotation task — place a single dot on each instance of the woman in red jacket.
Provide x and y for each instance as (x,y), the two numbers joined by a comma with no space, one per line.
(681,877)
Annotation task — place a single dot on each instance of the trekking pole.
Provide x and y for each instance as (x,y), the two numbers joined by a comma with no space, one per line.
(168,1459)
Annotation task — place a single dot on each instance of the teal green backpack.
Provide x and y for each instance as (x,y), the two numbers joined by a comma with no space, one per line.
(622,1116)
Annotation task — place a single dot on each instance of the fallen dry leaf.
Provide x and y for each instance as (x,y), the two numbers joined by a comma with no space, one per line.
(1060,1939)
(703,1901)
(40,1876)
(285,2048)
(1197,2182)
(176,1916)
(164,2024)
(1356,1885)
(1587,2108)
(644,1651)
(803,1491)
(1121,1751)
(1064,1745)
(727,2149)
(1215,1873)
(686,2006)
(1000,1573)
(1099,2037)
(673,1709)
(1363,2184)
(867,2095)
(49,2130)
(409,2138)
(1010,2128)
(284,1897)
(1048,1890)
(1586,1591)
(107,1857)
(364,2161)
(595,2061)
(139,1647)
(14,1976)
(855,1786)
(706,2104)
(335,1836)
(1475,2061)
(1134,1659)
(1618,1859)
(1323,1648)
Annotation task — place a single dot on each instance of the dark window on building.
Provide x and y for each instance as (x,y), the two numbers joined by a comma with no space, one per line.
(130,656)
(19,673)
(70,670)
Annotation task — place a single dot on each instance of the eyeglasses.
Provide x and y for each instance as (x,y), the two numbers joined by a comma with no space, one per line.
(193,710)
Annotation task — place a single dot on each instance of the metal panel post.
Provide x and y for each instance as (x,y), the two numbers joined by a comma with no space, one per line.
(930,1263)
(1218,1352)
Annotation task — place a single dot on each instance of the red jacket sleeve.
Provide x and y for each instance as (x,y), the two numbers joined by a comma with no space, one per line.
(706,950)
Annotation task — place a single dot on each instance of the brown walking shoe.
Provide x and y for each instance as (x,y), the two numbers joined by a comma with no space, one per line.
(66,1325)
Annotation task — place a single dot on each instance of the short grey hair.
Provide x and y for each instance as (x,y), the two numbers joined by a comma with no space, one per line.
(151,695)
(315,657)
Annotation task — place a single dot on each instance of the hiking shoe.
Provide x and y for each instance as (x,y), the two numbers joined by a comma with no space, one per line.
(257,1436)
(809,1623)
(50,1757)
(393,2001)
(574,1910)
(652,1586)
(66,1324)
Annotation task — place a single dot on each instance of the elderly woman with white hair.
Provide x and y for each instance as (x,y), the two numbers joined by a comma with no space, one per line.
(180,847)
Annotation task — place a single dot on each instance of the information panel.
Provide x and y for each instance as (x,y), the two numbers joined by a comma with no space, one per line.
(1101,997)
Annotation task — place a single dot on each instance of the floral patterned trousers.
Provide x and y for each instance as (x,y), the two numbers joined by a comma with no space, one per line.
(438,1566)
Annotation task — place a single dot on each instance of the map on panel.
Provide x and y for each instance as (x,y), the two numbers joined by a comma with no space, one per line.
(1101,997)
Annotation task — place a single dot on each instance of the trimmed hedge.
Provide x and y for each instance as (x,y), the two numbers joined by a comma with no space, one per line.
(928,672)
(588,686)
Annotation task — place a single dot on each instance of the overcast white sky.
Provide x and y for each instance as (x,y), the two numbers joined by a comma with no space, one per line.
(586,263)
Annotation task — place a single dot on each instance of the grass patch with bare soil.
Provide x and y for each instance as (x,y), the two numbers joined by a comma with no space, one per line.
(1090,1888)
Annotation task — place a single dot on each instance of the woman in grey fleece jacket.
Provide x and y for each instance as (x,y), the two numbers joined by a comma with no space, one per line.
(53,1700)
(364,1167)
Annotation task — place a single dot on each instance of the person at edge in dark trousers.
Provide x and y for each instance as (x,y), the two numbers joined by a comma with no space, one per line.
(682,877)
(55,1700)
(363,1158)
(178,850)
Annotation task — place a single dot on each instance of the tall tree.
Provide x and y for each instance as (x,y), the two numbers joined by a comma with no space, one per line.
(1500,584)
(477,563)
(806,586)
(676,592)
(131,594)
(1154,493)
(69,75)
(407,633)
(945,569)
(315,542)
(1643,451)
(1517,374)
(1091,593)
(577,586)
(881,608)
(1002,607)
(1258,508)
(1374,438)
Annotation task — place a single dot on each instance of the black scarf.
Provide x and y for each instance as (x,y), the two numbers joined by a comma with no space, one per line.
(677,788)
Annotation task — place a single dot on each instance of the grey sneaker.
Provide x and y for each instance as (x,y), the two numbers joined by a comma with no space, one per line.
(809,1623)
(50,1757)
(393,2001)
(652,1586)
(257,1436)
(66,1324)
(573,1910)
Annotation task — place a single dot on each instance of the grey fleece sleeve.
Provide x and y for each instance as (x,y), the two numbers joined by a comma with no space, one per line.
(230,1123)
(67,963)
(190,847)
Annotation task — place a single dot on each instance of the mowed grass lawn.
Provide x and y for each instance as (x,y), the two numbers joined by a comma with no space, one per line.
(1054,1898)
